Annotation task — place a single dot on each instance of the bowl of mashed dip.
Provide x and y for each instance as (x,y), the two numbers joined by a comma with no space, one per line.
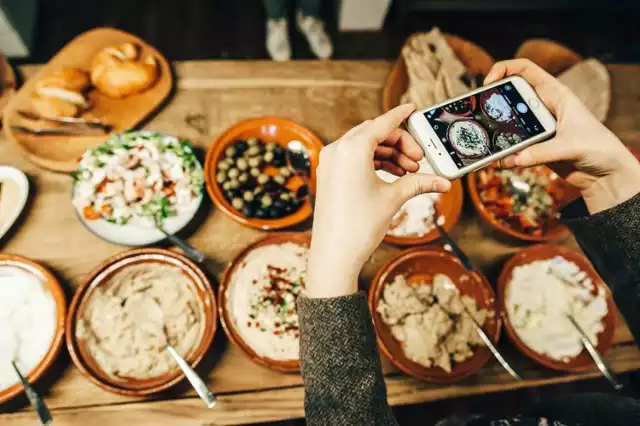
(129,310)
(538,289)
(32,315)
(258,300)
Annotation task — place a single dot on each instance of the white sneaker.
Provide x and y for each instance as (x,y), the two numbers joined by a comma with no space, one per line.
(278,44)
(313,30)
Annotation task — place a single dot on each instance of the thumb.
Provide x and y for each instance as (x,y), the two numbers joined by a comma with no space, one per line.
(542,153)
(414,184)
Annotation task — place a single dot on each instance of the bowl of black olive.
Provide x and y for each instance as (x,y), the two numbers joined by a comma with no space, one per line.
(248,177)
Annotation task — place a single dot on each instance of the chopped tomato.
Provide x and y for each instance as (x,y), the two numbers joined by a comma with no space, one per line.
(90,213)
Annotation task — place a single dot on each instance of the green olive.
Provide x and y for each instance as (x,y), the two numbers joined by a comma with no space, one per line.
(262,179)
(243,178)
(280,180)
(266,200)
(242,164)
(226,186)
(253,141)
(255,172)
(254,161)
(221,177)
(234,184)
(237,203)
(233,173)
(223,165)
(271,146)
(230,152)
(284,171)
(248,196)
(254,150)
(285,196)
(268,157)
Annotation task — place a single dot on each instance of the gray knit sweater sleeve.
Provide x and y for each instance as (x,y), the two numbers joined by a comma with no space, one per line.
(611,240)
(340,363)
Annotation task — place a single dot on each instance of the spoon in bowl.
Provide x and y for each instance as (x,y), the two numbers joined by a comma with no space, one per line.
(35,400)
(195,255)
(299,164)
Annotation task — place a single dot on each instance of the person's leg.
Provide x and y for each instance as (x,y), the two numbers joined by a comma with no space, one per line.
(309,23)
(275,9)
(278,44)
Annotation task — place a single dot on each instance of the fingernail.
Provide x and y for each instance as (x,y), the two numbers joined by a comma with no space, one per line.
(441,185)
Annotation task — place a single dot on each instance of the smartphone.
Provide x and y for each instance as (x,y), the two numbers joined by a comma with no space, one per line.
(471,131)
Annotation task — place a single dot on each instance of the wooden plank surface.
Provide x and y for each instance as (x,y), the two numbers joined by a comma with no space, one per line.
(329,98)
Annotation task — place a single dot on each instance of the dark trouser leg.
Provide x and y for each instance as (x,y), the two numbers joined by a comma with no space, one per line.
(310,7)
(275,9)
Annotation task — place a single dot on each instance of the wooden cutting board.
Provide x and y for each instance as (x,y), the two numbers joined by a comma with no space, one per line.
(61,153)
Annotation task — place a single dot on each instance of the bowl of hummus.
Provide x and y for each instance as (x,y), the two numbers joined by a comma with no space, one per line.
(539,288)
(130,310)
(258,300)
(469,138)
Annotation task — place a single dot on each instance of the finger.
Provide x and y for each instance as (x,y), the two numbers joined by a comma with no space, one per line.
(381,127)
(357,128)
(543,153)
(414,184)
(404,142)
(507,162)
(393,155)
(389,167)
(548,88)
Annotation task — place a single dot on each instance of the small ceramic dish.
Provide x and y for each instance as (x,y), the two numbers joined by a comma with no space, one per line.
(555,232)
(226,317)
(542,252)
(138,235)
(102,274)
(51,283)
(14,191)
(422,264)
(449,206)
(267,129)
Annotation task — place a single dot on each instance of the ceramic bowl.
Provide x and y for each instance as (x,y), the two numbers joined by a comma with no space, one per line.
(267,129)
(556,232)
(101,275)
(136,235)
(542,252)
(14,196)
(228,323)
(422,264)
(449,205)
(52,285)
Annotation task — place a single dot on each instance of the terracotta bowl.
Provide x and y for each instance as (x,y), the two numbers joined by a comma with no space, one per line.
(449,205)
(556,232)
(229,325)
(541,252)
(138,387)
(550,55)
(267,129)
(52,285)
(475,58)
(422,264)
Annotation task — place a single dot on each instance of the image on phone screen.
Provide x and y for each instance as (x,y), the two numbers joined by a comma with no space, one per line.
(483,124)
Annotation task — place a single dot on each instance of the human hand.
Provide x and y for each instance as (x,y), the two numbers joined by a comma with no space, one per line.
(354,207)
(583,151)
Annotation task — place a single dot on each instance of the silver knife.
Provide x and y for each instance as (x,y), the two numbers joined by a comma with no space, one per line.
(54,132)
(34,399)
(89,122)
(600,362)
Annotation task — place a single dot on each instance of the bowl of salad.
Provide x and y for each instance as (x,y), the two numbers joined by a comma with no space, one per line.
(531,217)
(134,182)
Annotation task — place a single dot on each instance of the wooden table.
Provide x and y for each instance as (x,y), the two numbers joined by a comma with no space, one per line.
(330,98)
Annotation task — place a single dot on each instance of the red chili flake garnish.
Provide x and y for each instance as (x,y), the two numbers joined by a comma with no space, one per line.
(297,335)
(257,324)
(277,324)
(276,333)
(291,312)
(277,299)
(249,324)
(254,282)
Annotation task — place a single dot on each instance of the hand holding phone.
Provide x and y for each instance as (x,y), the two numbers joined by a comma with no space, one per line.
(471,131)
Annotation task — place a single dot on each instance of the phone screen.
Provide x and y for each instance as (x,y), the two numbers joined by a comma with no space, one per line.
(485,123)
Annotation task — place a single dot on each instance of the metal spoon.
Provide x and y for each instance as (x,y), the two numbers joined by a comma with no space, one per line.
(299,164)
(36,402)
(198,384)
(469,266)
(191,252)
(600,362)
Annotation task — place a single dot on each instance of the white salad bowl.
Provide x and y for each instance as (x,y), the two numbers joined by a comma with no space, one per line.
(135,235)
(13,200)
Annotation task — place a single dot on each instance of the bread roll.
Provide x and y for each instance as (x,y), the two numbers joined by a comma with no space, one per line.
(53,107)
(73,79)
(118,72)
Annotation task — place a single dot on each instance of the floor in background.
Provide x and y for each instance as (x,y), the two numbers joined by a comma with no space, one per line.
(234,29)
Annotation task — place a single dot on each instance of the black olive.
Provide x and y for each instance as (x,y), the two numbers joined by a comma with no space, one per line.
(302,191)
(241,146)
(229,194)
(279,203)
(272,186)
(261,213)
(279,161)
(278,151)
(248,211)
(275,212)
(289,208)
